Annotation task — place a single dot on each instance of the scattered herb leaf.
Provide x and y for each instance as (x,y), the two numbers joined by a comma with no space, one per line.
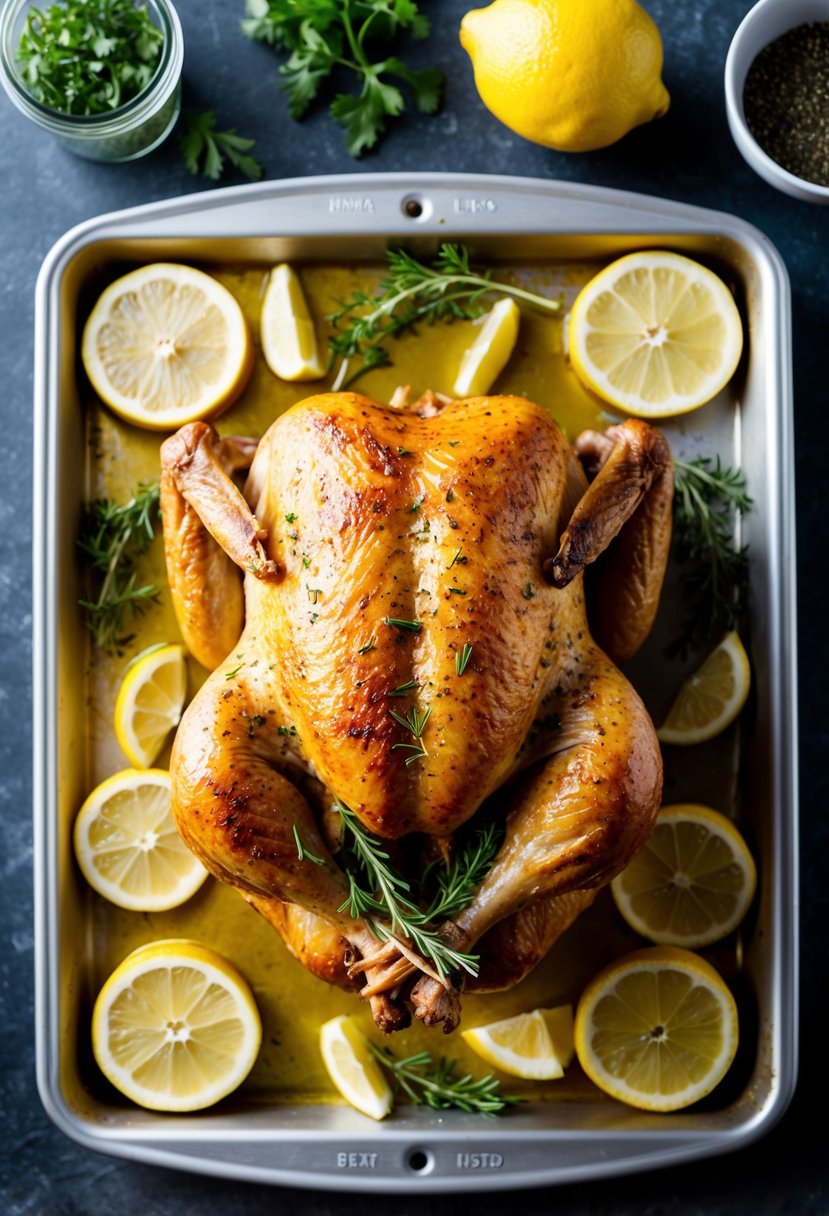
(462,658)
(409,626)
(305,854)
(207,151)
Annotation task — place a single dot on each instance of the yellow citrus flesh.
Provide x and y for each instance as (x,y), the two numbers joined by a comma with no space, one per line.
(566,74)
(353,1069)
(693,881)
(289,342)
(655,334)
(127,845)
(166,345)
(559,1023)
(486,358)
(712,697)
(657,1029)
(523,1046)
(149,702)
(175,1027)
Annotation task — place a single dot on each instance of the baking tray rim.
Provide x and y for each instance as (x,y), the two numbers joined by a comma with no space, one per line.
(598,206)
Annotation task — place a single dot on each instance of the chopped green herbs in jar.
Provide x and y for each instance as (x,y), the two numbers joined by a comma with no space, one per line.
(102,76)
(786,101)
(89,56)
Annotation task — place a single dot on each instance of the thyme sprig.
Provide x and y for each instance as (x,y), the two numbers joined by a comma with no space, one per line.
(376,890)
(412,292)
(112,536)
(436,1083)
(707,495)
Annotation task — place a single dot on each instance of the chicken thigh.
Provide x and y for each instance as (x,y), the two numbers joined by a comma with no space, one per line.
(395,611)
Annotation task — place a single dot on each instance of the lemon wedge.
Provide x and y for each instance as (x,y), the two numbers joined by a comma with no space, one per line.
(537,1046)
(486,358)
(655,334)
(127,845)
(693,881)
(149,702)
(289,342)
(353,1068)
(165,345)
(175,1027)
(712,697)
(657,1029)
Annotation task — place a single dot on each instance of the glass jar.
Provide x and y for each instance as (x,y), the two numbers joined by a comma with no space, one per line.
(126,133)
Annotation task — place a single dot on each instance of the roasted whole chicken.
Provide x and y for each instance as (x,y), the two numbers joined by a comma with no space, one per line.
(393,610)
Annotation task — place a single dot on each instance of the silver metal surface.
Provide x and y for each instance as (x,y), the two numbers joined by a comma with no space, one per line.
(354,218)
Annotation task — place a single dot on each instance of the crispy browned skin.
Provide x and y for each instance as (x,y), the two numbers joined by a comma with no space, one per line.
(356,516)
(626,597)
(205,582)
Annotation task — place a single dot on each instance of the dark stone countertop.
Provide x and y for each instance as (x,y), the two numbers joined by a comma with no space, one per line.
(687,156)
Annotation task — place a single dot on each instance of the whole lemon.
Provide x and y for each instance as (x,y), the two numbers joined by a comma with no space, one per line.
(569,74)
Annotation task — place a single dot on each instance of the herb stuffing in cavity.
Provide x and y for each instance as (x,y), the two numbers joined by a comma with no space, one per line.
(786,101)
(84,58)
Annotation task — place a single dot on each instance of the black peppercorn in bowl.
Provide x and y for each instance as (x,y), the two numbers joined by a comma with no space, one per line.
(103,78)
(777,95)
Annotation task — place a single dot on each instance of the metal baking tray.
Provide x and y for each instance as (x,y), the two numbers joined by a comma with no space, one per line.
(580,1134)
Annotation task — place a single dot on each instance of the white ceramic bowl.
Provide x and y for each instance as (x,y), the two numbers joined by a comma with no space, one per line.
(762,25)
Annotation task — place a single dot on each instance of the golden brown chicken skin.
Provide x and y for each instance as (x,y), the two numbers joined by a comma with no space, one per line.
(415,647)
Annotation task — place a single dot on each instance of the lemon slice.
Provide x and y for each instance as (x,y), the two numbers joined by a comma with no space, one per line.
(127,845)
(524,1046)
(657,1029)
(289,342)
(712,697)
(655,334)
(175,1026)
(486,358)
(149,702)
(165,345)
(353,1068)
(693,881)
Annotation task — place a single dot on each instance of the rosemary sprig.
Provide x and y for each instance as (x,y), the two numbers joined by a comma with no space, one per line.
(112,536)
(706,496)
(414,721)
(376,890)
(412,292)
(436,1083)
(457,883)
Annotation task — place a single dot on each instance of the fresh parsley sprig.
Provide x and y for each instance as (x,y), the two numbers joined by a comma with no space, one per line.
(323,37)
(87,57)
(413,292)
(112,536)
(436,1083)
(383,898)
(208,151)
(707,494)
